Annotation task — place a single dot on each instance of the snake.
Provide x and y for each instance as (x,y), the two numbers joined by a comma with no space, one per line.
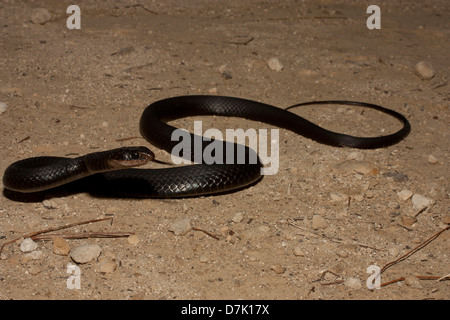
(115,171)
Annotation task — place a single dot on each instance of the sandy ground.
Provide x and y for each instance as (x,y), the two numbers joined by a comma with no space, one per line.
(308,232)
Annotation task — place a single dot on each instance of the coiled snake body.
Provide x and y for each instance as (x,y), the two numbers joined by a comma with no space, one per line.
(41,173)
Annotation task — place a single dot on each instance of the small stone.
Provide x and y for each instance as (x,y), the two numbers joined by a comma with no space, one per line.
(355,166)
(212,90)
(34,270)
(413,282)
(238,217)
(353,283)
(358,156)
(431,159)
(60,246)
(105,124)
(133,239)
(408,221)
(424,70)
(124,51)
(108,265)
(203,259)
(446,219)
(34,255)
(298,252)
(405,194)
(420,202)
(85,253)
(40,16)
(336,196)
(278,268)
(28,245)
(274,64)
(181,227)
(52,204)
(3,107)
(318,222)
(226,74)
(393,252)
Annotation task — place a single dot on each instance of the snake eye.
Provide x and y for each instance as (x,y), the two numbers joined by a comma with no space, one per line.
(135,155)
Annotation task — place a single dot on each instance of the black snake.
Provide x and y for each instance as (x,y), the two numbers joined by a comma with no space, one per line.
(41,173)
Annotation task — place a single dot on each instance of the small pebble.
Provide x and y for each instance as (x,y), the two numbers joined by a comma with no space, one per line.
(353,283)
(50,204)
(108,265)
(357,166)
(278,268)
(203,259)
(405,195)
(238,217)
(85,253)
(336,196)
(226,74)
(274,64)
(40,16)
(60,246)
(431,159)
(3,107)
(358,156)
(124,51)
(298,252)
(34,255)
(424,70)
(420,202)
(393,252)
(408,221)
(133,240)
(318,222)
(34,270)
(413,282)
(181,227)
(28,245)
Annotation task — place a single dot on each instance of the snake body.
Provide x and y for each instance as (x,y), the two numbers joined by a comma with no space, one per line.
(41,173)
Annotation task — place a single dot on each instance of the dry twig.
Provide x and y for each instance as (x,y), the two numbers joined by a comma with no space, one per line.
(36,233)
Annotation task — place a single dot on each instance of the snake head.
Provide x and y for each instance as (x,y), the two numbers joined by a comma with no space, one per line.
(127,157)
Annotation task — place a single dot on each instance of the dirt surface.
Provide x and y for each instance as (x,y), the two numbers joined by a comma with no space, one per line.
(308,232)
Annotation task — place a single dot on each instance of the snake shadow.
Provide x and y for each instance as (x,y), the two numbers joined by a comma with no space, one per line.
(94,189)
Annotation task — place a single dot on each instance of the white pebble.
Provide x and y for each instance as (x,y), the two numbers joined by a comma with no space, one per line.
(238,217)
(274,64)
(432,159)
(40,16)
(181,227)
(405,194)
(424,70)
(353,283)
(3,107)
(28,245)
(420,202)
(85,253)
